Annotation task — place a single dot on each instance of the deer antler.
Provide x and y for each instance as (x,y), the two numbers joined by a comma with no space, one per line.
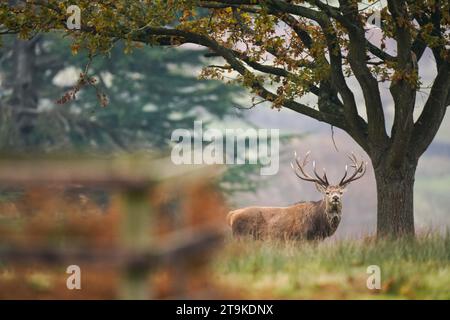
(360,170)
(305,176)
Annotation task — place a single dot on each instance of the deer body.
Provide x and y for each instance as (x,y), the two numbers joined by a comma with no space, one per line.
(315,220)
(302,221)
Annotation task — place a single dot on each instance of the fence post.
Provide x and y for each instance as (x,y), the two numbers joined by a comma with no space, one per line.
(136,237)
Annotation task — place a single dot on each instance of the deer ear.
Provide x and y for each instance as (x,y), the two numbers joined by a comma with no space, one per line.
(319,187)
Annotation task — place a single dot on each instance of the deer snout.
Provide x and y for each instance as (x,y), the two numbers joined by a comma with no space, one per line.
(336,198)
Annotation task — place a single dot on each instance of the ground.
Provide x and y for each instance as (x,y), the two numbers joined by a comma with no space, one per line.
(237,269)
(417,269)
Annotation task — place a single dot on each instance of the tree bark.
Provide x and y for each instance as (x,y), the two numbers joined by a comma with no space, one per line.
(24,97)
(395,195)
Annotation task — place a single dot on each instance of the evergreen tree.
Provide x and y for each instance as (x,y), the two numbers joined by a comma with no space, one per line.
(150,92)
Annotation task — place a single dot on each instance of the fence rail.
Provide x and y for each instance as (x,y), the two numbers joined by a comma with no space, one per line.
(184,246)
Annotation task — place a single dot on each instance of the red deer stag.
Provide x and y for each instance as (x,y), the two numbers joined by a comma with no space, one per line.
(313,220)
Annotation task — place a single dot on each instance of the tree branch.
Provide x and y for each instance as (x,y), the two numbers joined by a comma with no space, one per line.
(433,112)
(357,58)
(233,61)
(403,86)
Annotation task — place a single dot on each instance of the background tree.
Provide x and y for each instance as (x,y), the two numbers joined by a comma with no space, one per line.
(282,50)
(150,94)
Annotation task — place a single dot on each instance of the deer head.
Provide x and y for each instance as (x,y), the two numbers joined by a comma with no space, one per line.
(332,193)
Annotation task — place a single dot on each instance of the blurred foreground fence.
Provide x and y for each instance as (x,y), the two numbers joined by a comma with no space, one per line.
(133,178)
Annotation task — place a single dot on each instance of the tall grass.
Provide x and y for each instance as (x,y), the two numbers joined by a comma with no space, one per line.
(410,269)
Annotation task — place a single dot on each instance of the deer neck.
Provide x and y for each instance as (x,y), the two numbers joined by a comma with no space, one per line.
(332,215)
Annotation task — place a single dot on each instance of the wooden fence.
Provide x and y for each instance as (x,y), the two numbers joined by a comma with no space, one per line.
(133,177)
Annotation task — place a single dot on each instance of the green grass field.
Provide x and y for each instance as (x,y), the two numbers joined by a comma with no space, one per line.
(417,269)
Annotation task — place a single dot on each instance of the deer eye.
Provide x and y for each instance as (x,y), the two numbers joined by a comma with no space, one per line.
(328,192)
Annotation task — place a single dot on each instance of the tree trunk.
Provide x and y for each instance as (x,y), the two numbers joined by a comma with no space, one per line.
(24,97)
(395,194)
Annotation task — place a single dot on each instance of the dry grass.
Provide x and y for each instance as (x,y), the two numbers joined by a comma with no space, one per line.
(417,269)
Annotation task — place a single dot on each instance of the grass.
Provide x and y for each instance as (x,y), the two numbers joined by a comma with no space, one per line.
(417,269)
(333,269)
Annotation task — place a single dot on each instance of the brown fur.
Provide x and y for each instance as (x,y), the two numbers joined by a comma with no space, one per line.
(303,221)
